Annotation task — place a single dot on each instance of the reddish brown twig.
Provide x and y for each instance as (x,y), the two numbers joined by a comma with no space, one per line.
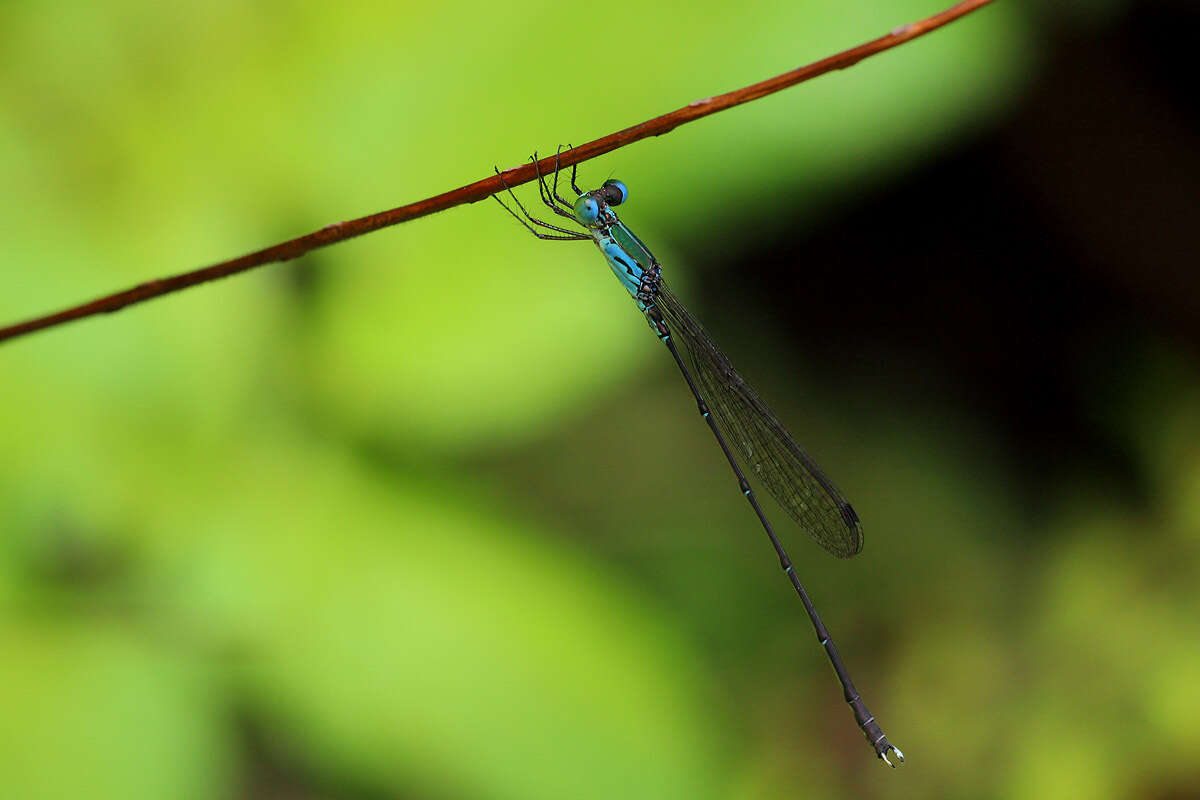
(340,231)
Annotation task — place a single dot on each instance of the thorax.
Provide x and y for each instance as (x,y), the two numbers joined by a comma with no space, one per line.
(630,260)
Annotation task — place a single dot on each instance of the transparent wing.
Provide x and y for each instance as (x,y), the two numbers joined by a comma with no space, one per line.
(760,441)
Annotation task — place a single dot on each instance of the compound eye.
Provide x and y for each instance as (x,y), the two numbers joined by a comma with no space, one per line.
(616,192)
(587,210)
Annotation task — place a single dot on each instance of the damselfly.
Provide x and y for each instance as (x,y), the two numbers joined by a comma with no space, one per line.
(734,411)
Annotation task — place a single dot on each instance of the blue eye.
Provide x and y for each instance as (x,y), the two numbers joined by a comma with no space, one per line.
(618,193)
(587,210)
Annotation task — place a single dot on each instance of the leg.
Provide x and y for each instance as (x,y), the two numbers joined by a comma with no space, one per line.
(570,235)
(548,195)
(573,166)
(556,168)
(866,722)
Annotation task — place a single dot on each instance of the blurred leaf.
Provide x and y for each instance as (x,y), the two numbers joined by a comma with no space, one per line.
(388,632)
(91,711)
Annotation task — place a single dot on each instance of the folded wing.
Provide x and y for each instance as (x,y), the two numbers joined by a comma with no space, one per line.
(760,441)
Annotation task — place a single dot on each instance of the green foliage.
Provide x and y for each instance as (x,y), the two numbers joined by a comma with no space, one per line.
(338,504)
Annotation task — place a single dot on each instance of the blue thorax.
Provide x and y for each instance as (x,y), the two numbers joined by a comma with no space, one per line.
(626,255)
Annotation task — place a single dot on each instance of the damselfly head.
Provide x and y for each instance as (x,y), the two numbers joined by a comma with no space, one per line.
(591,207)
(614,192)
(587,210)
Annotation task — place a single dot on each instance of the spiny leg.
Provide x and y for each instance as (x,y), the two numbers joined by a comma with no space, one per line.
(864,718)
(573,166)
(557,153)
(533,219)
(527,214)
(571,235)
(547,196)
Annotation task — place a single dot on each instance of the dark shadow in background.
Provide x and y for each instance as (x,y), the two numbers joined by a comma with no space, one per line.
(1023,266)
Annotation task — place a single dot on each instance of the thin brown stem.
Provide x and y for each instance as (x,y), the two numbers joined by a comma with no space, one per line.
(340,231)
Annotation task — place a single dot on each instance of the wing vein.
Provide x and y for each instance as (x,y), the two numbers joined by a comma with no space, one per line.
(760,441)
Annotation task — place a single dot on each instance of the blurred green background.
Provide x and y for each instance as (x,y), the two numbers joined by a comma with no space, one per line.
(429,514)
